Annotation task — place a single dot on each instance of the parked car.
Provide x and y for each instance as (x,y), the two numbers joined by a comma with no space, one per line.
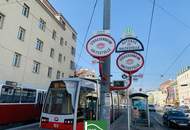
(152,108)
(176,118)
(168,108)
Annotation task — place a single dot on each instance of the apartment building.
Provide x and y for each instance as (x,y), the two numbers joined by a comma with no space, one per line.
(183,85)
(37,44)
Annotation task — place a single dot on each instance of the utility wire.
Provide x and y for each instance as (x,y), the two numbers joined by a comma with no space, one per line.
(149,36)
(172,15)
(175,60)
(86,34)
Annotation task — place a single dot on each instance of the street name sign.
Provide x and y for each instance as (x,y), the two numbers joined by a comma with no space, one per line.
(130,62)
(100,46)
(129,44)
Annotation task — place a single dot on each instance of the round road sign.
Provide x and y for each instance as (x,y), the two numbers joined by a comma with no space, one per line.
(130,62)
(100,46)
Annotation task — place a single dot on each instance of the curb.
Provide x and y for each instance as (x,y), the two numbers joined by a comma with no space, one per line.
(24,126)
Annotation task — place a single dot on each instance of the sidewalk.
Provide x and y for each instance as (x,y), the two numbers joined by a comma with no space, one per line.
(121,124)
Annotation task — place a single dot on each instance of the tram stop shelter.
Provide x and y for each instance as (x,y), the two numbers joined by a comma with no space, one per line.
(139,109)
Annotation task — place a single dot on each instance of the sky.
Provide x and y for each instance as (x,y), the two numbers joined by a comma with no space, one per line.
(169,35)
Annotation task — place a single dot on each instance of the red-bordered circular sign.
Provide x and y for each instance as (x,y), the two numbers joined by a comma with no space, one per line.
(100,46)
(130,62)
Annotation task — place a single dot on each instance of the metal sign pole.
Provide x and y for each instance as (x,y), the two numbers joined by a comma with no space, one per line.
(105,80)
(128,111)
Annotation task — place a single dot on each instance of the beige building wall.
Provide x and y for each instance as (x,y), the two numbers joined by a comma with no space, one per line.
(157,97)
(9,43)
(183,85)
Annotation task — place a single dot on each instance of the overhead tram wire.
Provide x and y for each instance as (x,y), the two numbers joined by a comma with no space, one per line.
(88,28)
(176,59)
(149,35)
(172,15)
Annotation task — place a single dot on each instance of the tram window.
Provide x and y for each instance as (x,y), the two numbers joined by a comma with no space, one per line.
(6,94)
(28,95)
(87,104)
(16,95)
(61,98)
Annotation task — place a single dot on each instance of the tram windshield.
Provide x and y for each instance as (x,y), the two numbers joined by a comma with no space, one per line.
(61,98)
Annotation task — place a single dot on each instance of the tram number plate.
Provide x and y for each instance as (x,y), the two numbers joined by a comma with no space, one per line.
(56,125)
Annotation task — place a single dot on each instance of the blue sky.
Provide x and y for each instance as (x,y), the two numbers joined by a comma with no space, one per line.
(170,33)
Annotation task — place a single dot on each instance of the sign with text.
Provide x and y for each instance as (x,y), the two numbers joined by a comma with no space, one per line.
(100,46)
(130,62)
(129,44)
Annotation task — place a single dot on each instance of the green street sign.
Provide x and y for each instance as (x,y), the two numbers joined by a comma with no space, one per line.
(96,125)
(119,83)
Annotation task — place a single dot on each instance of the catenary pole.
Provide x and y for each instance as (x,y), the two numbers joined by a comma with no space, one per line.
(105,79)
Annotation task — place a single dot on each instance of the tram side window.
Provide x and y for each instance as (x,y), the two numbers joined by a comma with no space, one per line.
(6,94)
(28,96)
(87,104)
(16,95)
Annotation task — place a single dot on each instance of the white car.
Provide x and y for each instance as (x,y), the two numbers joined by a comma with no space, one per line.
(152,108)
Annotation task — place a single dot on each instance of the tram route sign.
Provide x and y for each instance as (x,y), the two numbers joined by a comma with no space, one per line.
(129,44)
(100,46)
(130,62)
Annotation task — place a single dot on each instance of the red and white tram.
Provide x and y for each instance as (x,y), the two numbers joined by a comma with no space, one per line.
(19,103)
(69,102)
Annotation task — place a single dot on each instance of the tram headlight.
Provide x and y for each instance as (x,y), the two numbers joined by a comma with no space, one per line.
(45,119)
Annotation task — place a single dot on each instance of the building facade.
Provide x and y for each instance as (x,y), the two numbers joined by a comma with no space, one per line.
(86,73)
(172,98)
(37,44)
(183,85)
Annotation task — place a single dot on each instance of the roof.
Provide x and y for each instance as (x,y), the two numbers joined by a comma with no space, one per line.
(54,13)
(138,95)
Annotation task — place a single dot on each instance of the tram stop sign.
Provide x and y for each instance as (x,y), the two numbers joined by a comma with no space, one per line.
(100,46)
(130,62)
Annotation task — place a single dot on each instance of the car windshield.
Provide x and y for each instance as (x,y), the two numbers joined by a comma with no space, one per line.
(177,113)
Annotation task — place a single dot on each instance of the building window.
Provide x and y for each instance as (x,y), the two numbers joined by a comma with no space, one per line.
(39,44)
(50,72)
(61,41)
(25,10)
(58,74)
(60,58)
(74,37)
(42,24)
(73,51)
(52,51)
(21,33)
(36,67)
(65,43)
(16,59)
(72,65)
(2,17)
(64,58)
(63,75)
(54,35)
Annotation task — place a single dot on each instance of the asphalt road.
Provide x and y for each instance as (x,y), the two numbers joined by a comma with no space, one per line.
(156,119)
